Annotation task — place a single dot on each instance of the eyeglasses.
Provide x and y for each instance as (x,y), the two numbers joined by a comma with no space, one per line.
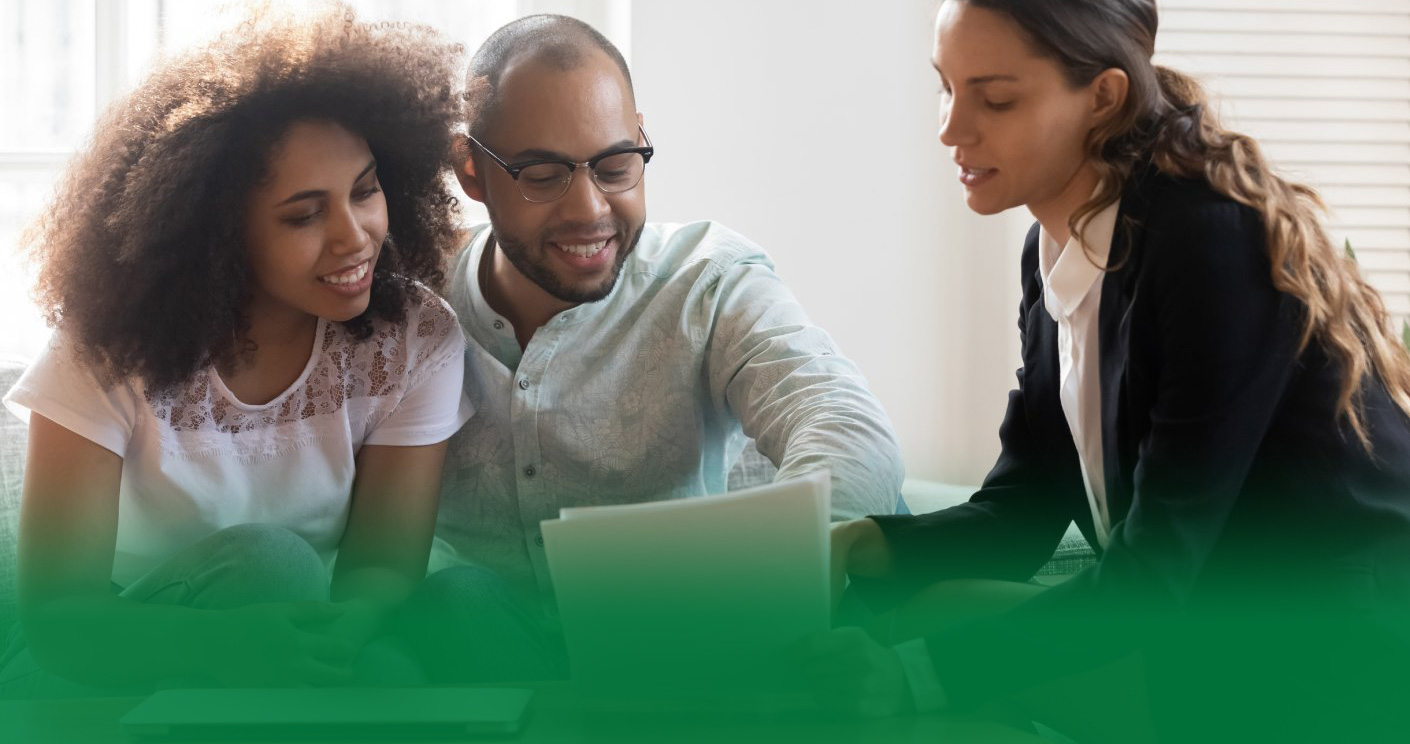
(613,171)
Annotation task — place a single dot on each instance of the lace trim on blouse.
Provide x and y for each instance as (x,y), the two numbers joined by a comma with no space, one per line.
(346,368)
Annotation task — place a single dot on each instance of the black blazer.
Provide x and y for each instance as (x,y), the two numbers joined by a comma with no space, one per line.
(1230,485)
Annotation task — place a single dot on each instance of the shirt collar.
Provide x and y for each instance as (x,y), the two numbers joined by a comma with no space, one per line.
(1069,272)
(479,307)
(476,315)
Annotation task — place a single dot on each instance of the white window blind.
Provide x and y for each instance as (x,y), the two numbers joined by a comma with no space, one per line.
(1325,88)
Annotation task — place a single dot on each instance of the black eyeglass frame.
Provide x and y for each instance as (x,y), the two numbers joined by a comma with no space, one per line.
(645,151)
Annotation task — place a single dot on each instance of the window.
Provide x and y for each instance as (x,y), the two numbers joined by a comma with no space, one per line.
(48,76)
(1325,87)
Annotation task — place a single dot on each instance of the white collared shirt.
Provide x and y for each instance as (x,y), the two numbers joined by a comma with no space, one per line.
(1072,295)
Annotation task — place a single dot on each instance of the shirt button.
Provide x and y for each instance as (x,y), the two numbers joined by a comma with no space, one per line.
(529,472)
(499,325)
(538,540)
(523,384)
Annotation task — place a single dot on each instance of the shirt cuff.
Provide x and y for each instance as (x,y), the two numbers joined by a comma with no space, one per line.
(926,691)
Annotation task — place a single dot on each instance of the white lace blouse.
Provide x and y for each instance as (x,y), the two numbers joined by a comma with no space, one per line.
(197,460)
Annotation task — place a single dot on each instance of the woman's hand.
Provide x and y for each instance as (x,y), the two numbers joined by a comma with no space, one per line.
(849,672)
(859,548)
(360,622)
(279,645)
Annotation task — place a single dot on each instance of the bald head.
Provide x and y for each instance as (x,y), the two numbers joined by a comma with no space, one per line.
(555,41)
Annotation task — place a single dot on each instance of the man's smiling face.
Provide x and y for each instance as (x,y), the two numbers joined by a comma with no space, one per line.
(573,247)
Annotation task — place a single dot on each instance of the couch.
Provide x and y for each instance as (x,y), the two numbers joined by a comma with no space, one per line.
(12,456)
(752,469)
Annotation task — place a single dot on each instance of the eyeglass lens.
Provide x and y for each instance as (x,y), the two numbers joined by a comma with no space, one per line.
(612,174)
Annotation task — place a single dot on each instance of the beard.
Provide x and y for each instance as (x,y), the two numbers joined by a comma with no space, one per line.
(531,260)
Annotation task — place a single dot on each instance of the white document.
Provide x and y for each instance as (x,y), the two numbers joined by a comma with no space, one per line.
(697,596)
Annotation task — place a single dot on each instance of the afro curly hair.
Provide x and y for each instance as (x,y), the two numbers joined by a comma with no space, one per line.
(143,262)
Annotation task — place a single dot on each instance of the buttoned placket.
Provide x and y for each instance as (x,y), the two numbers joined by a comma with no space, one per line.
(532,390)
(506,345)
(527,397)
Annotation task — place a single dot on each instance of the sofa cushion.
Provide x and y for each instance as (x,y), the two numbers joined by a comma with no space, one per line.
(13,435)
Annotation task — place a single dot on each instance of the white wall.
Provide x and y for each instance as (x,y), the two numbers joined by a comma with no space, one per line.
(810,126)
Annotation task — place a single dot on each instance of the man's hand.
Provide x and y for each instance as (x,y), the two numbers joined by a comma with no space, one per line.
(850,673)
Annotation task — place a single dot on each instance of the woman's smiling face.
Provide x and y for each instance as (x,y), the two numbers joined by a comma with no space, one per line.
(316,225)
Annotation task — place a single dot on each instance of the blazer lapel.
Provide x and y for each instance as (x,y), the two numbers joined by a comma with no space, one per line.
(1113,335)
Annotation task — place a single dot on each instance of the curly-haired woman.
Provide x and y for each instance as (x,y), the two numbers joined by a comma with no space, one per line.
(250,372)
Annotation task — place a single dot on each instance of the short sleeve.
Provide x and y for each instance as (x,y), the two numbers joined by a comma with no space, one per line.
(61,388)
(434,405)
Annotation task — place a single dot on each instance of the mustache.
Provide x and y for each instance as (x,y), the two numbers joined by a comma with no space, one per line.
(590,228)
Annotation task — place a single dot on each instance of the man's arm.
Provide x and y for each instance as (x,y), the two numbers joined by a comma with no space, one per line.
(806,406)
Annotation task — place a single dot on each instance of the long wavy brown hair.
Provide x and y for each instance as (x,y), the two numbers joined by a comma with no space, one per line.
(1168,121)
(143,256)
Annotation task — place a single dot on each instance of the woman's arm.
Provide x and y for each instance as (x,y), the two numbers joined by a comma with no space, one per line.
(396,492)
(78,629)
(388,539)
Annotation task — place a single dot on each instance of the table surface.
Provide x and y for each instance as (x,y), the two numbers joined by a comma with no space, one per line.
(562,716)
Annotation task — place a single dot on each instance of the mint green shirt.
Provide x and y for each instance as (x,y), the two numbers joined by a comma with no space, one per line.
(649,394)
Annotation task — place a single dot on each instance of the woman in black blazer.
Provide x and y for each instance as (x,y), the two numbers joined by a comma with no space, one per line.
(1243,468)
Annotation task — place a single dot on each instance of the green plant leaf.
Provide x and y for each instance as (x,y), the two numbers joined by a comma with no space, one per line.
(1405,332)
(1350,253)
